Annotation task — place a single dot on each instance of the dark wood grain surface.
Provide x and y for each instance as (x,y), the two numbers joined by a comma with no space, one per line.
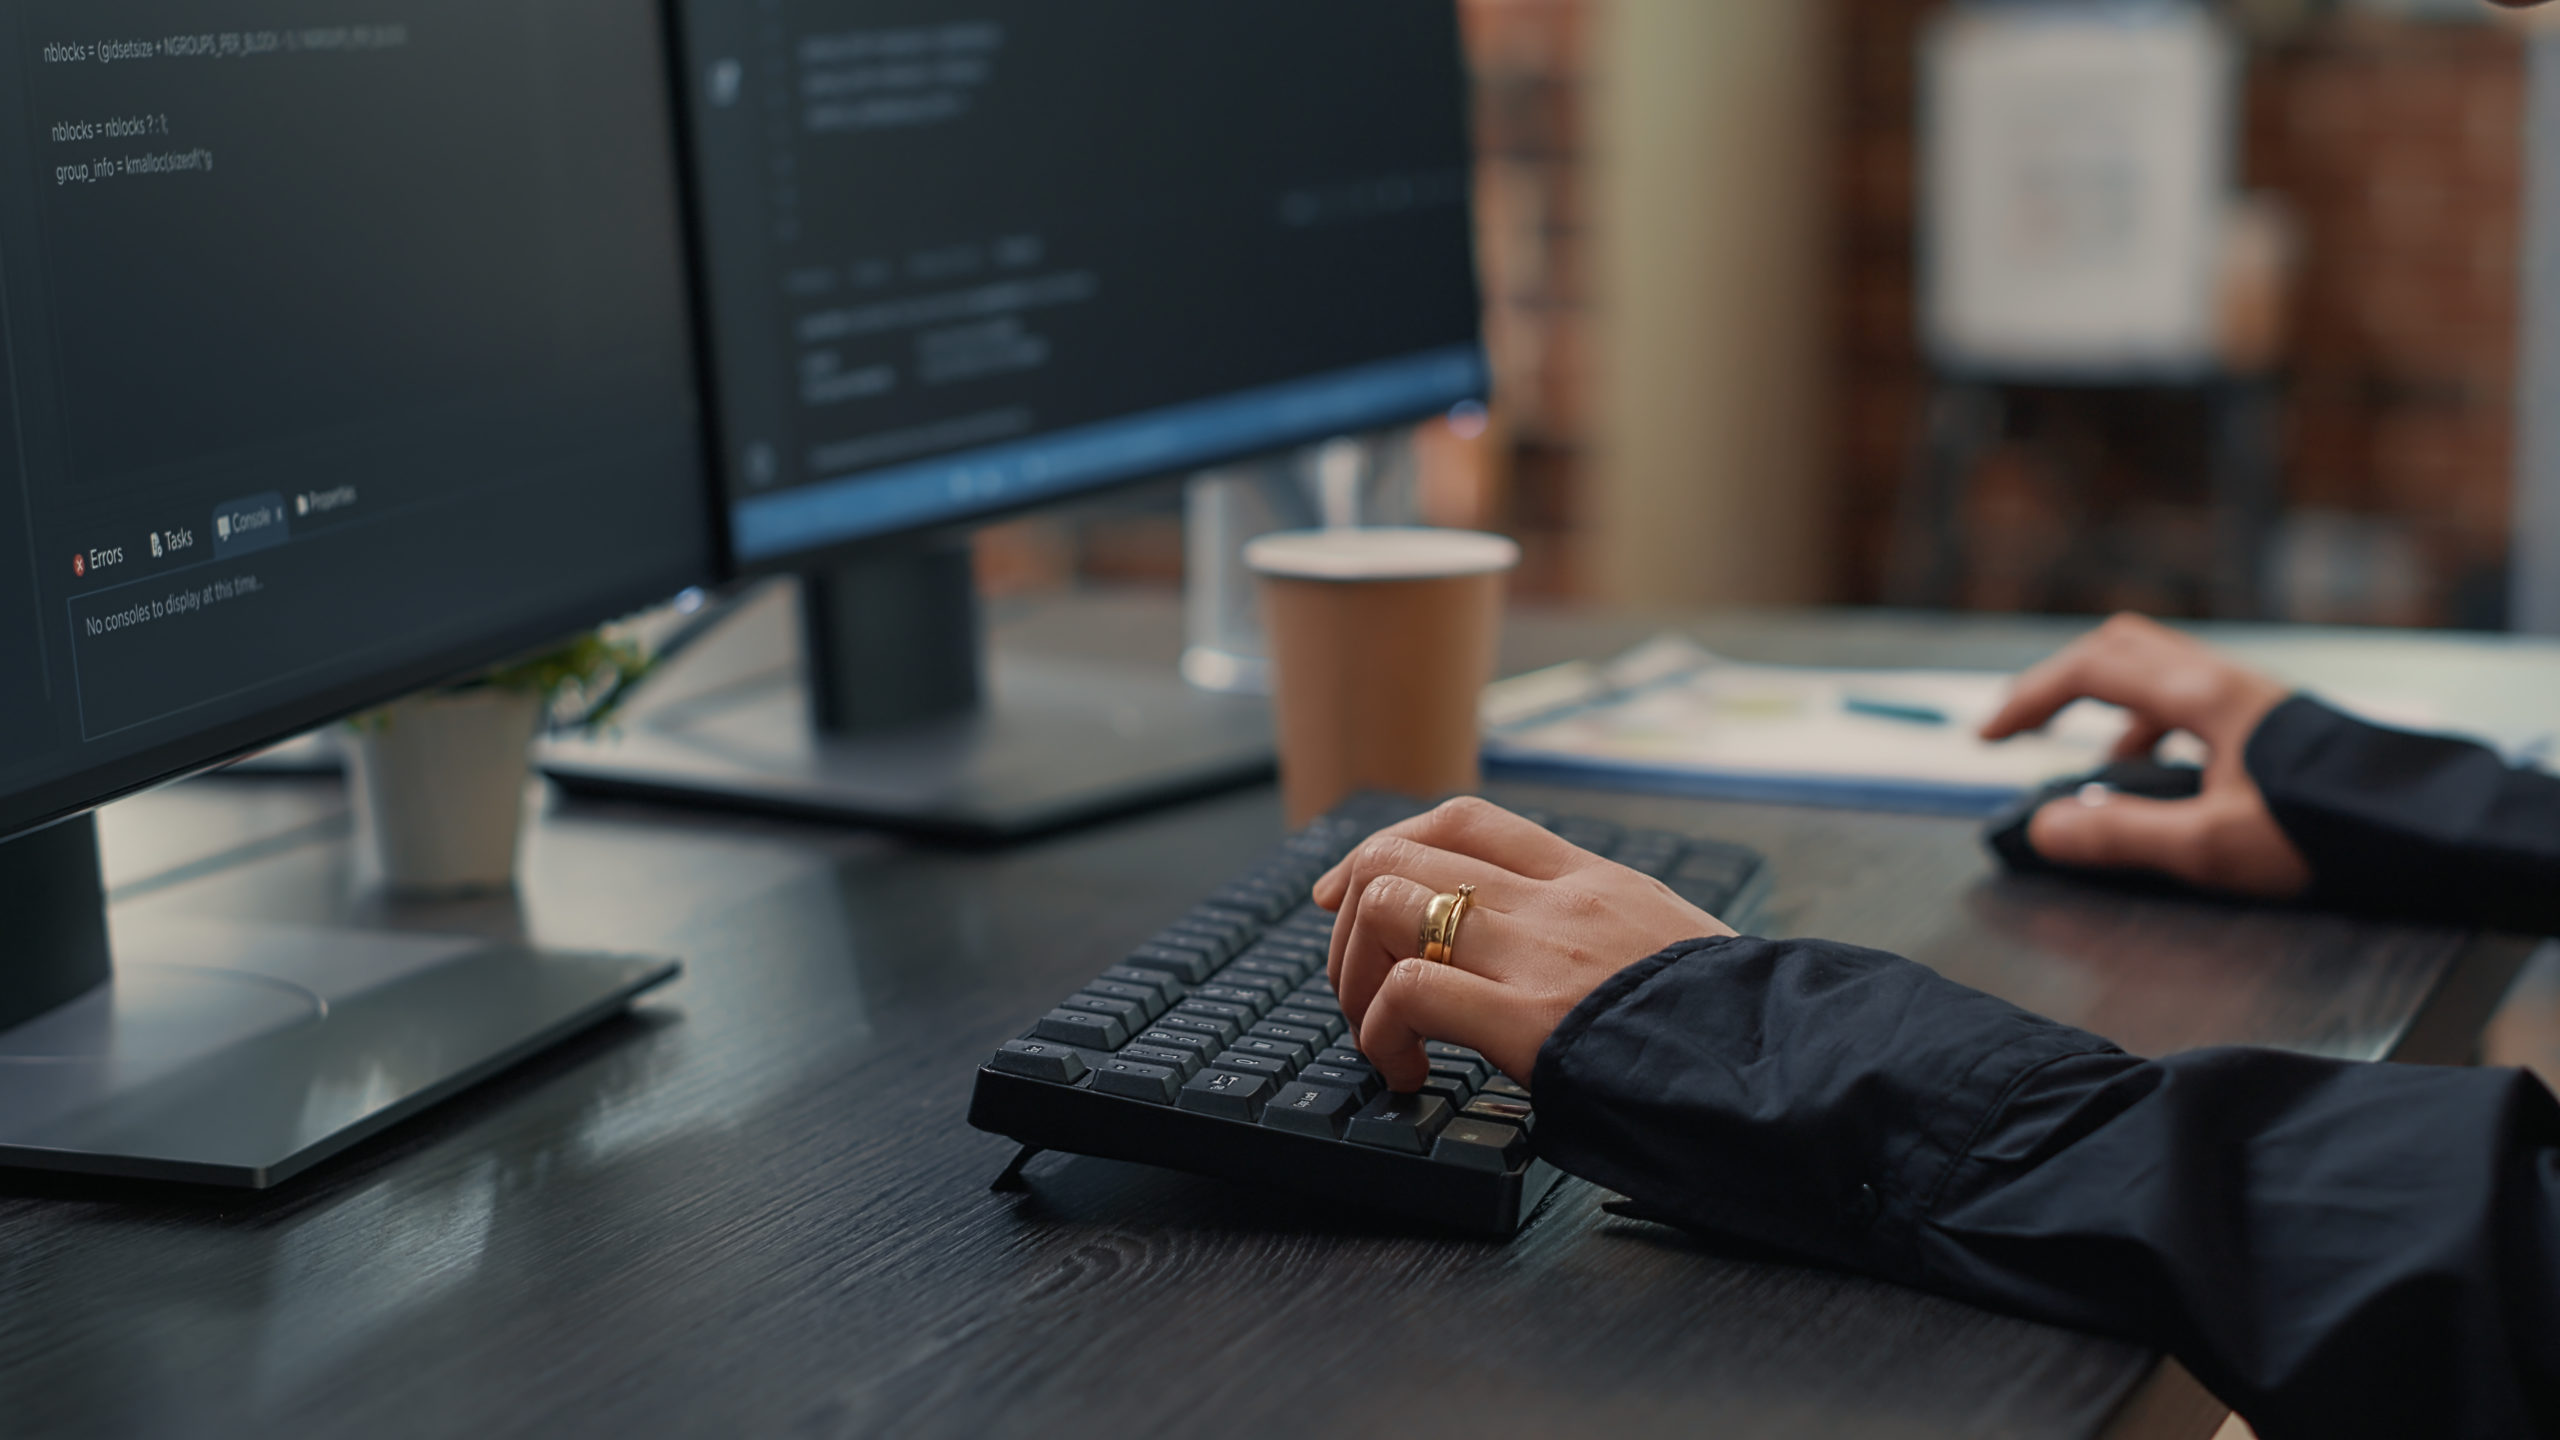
(752,1208)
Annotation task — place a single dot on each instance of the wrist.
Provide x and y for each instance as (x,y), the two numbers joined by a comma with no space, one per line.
(2248,699)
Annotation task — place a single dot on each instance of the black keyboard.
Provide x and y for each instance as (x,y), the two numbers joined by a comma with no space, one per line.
(1217,1047)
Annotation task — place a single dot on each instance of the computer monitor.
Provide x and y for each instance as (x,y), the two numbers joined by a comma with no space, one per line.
(966,257)
(338,356)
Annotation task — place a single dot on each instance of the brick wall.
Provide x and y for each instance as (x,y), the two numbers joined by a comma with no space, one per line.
(1530,59)
(1878,355)
(2396,146)
(2399,146)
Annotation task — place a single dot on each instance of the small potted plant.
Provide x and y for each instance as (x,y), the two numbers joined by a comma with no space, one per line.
(440,777)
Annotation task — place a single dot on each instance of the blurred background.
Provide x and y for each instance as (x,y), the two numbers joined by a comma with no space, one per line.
(2207,310)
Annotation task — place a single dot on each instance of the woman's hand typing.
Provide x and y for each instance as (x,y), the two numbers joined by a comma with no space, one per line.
(1549,923)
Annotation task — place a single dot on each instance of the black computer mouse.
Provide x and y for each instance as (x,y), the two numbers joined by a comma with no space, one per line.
(2007,832)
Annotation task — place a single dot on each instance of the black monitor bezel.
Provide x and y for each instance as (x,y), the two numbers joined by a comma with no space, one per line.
(819,558)
(51,802)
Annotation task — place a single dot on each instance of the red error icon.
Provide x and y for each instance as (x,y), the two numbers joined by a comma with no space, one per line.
(79,565)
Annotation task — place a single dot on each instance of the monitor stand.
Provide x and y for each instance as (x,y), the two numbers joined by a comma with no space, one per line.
(890,714)
(240,1055)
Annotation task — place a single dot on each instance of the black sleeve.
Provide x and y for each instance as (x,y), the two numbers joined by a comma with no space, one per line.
(2421,826)
(2336,1249)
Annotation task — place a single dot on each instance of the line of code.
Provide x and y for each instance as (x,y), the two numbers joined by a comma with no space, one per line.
(89,165)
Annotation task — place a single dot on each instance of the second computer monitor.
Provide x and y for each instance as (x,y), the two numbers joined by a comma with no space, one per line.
(967,256)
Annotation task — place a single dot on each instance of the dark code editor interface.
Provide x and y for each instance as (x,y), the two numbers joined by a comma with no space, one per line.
(964,253)
(339,338)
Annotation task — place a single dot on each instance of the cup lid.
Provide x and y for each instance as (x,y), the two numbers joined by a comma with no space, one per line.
(1382,553)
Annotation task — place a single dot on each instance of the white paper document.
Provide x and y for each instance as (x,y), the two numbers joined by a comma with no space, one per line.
(1670,715)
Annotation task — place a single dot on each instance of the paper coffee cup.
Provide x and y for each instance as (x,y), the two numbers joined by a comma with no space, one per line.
(1381,644)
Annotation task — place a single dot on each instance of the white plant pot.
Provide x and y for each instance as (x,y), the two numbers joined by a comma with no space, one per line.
(440,787)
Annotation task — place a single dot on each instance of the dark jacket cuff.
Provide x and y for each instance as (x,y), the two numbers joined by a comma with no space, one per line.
(1801,1095)
(2424,827)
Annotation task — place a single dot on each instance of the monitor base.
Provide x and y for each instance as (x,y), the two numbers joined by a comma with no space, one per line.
(242,1056)
(1060,741)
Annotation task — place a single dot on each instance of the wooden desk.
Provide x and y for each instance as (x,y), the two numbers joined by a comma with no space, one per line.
(752,1208)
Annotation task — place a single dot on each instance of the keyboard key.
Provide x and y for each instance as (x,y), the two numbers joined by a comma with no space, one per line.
(1305,1109)
(1346,1057)
(1180,961)
(1274,1046)
(1243,926)
(1327,1020)
(1471,1071)
(1326,1025)
(1267,989)
(1183,1063)
(1202,1004)
(1651,852)
(1452,1088)
(1321,841)
(1082,1027)
(1218,945)
(1400,1122)
(1710,876)
(1284,973)
(1360,1080)
(1480,1145)
(1260,899)
(1506,1087)
(1308,1040)
(1147,998)
(1276,1068)
(1320,1001)
(1040,1060)
(1130,1014)
(1212,953)
(1155,1084)
(1501,1111)
(1319,985)
(1217,1027)
(1228,1094)
(1248,1004)
(1236,927)
(1198,1046)
(1166,985)
(1443,1050)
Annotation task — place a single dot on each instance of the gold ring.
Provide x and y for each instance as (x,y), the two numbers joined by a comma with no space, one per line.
(1440,924)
